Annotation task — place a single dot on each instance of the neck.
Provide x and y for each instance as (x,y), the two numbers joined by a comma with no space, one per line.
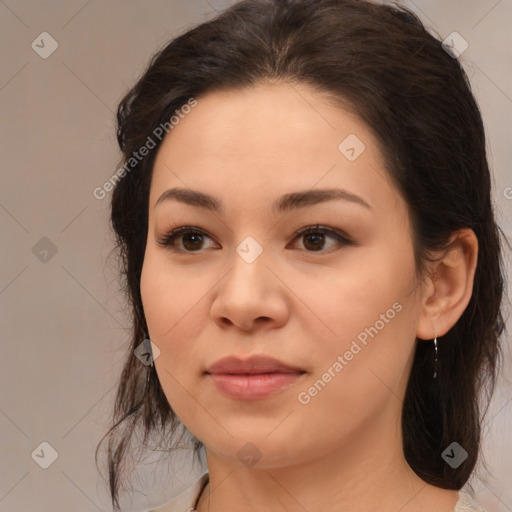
(366,473)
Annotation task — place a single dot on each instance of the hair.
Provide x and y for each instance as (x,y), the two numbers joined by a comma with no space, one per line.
(380,62)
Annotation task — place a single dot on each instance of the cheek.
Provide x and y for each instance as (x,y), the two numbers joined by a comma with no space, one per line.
(173,302)
(175,307)
(170,297)
(363,300)
(356,383)
(362,362)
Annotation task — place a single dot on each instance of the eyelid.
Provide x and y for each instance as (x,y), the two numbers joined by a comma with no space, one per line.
(332,232)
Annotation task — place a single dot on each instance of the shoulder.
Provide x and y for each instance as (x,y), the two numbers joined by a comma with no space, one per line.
(185,501)
(466,503)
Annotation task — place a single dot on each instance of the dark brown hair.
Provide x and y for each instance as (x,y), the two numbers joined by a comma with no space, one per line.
(416,98)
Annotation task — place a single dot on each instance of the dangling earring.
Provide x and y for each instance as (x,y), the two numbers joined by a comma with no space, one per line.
(435,347)
(435,357)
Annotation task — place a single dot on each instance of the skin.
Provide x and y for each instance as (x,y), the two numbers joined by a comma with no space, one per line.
(343,449)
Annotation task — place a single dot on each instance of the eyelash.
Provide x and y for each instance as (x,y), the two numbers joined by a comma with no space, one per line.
(167,239)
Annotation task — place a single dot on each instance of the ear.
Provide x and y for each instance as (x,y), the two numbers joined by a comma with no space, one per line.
(447,289)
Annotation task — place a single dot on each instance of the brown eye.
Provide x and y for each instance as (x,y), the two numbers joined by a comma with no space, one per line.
(314,238)
(192,239)
(315,241)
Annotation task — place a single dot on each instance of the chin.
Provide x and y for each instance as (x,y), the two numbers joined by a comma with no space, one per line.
(259,447)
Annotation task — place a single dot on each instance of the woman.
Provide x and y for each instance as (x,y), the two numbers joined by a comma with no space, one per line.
(305,224)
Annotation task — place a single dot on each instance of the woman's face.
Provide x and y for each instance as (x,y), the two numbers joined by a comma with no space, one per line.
(337,307)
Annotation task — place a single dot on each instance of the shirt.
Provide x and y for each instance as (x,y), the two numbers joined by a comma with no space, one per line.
(187,500)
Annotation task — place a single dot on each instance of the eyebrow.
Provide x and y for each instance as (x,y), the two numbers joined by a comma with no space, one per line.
(285,203)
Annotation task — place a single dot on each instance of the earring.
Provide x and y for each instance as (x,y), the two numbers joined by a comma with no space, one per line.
(435,357)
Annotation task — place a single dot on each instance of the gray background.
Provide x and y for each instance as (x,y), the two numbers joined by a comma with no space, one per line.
(63,330)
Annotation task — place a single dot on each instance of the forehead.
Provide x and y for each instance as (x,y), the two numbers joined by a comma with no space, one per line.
(268,140)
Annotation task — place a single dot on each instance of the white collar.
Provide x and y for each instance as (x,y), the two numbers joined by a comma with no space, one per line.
(185,501)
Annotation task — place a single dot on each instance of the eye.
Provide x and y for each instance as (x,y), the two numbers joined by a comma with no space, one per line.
(192,239)
(314,238)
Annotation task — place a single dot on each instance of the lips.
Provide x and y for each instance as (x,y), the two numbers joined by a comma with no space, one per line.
(252,365)
(254,378)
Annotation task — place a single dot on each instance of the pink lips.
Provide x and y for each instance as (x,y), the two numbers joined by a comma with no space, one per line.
(254,378)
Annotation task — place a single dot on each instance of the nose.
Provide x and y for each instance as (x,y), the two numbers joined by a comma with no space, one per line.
(250,296)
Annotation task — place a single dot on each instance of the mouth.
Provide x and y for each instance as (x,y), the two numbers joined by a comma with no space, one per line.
(254,378)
